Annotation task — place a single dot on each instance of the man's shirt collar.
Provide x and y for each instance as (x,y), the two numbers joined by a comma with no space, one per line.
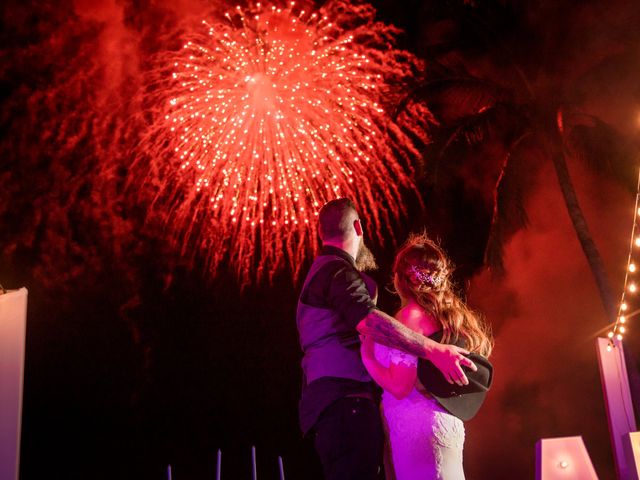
(331,250)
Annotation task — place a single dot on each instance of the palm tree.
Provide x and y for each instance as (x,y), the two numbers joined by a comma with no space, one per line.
(483,92)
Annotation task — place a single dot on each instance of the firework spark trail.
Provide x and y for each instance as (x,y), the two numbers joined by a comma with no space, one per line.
(63,123)
(266,114)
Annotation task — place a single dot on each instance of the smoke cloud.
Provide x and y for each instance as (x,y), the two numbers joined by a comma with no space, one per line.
(546,314)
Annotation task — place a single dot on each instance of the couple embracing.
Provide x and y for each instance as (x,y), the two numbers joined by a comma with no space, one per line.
(352,351)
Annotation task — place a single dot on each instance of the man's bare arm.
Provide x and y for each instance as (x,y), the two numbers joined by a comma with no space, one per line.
(388,331)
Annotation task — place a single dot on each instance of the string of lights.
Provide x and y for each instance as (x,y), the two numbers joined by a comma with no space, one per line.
(630,282)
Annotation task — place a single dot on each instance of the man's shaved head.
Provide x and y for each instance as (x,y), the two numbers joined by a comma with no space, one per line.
(336,219)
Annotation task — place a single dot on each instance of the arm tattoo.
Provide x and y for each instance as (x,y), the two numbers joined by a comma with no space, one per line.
(388,331)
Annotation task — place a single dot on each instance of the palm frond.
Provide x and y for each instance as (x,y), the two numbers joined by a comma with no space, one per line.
(512,190)
(605,150)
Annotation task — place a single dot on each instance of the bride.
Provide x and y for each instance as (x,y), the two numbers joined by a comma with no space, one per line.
(425,440)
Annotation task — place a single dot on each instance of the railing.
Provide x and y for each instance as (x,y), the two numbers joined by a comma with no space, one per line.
(254,467)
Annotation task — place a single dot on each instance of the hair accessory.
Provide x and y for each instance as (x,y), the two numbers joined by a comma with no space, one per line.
(432,279)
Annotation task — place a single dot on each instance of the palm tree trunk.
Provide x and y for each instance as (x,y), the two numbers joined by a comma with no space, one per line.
(582,231)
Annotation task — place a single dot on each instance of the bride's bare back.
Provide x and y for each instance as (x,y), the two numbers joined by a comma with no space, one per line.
(413,316)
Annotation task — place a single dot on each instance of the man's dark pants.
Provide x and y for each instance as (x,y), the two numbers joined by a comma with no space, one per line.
(349,440)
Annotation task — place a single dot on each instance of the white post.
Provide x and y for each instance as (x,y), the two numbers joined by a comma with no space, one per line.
(219,465)
(13,329)
(617,396)
(281,468)
(254,470)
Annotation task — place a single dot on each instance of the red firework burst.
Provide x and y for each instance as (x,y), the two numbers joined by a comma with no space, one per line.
(267,113)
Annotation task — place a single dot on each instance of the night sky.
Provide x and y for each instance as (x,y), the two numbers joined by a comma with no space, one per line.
(139,356)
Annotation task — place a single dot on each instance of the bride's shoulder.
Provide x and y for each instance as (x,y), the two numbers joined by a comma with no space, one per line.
(410,315)
(414,317)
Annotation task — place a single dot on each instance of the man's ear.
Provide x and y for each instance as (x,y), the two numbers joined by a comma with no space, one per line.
(358,226)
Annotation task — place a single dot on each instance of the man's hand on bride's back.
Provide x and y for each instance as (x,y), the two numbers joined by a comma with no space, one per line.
(450,359)
(367,347)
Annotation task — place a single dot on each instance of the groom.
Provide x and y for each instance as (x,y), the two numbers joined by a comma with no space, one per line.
(338,408)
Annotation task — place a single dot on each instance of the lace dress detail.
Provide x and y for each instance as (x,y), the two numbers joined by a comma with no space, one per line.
(426,441)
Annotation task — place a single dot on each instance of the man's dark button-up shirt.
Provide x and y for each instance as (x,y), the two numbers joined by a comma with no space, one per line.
(337,286)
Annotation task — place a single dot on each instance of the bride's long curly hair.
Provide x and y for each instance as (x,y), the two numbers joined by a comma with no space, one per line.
(422,272)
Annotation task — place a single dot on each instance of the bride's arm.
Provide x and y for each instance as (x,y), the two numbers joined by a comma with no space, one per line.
(398,379)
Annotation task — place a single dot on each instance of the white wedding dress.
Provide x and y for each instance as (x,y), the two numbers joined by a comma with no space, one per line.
(426,441)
